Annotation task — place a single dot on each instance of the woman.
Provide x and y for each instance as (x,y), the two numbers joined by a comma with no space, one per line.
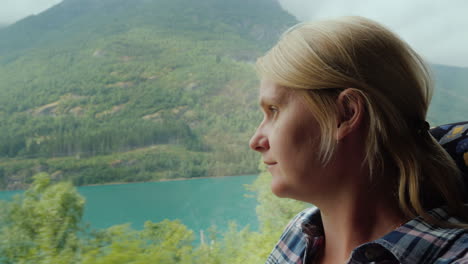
(344,128)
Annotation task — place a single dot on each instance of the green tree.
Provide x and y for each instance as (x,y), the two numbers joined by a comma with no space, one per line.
(41,226)
(165,242)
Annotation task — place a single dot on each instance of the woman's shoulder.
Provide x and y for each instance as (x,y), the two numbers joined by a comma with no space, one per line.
(298,228)
(455,240)
(292,245)
(457,252)
(306,216)
(418,241)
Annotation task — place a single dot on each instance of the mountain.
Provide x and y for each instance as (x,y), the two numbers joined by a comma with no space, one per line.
(117,91)
(450,100)
(76,20)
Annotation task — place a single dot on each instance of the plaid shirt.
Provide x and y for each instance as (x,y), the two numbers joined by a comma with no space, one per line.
(412,243)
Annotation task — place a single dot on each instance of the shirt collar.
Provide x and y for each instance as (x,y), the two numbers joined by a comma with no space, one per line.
(414,242)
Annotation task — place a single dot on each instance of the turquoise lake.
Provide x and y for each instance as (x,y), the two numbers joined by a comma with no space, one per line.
(198,203)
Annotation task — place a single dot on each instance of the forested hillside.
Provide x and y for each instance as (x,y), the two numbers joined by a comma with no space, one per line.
(118,91)
(115,90)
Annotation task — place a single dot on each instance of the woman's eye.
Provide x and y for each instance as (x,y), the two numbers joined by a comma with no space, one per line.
(273,109)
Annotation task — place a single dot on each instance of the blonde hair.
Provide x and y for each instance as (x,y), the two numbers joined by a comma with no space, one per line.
(321,59)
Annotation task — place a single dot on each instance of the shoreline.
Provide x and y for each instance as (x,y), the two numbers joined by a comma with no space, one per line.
(165,180)
(162,180)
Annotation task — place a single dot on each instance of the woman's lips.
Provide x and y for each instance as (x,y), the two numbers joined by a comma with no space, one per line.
(269,163)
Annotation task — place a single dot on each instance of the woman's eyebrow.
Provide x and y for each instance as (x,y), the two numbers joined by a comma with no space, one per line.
(279,98)
(275,100)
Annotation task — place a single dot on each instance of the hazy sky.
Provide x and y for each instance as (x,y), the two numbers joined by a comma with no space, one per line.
(437,29)
(13,10)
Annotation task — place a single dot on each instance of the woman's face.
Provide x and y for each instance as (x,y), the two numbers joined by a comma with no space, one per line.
(288,139)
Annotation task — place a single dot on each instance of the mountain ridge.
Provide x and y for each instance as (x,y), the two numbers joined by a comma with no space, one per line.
(86,82)
(142,76)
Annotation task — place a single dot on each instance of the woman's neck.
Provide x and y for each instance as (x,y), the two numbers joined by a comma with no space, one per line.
(354,218)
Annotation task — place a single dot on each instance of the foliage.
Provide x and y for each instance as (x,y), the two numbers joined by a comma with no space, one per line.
(150,75)
(164,242)
(43,225)
(147,74)
(154,89)
(273,212)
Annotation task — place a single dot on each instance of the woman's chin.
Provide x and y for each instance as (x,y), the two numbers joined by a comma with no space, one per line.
(278,188)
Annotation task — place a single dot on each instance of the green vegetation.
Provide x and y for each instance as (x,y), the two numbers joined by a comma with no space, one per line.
(43,225)
(152,90)
(450,100)
(109,91)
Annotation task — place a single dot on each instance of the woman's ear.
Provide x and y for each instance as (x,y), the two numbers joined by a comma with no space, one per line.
(350,104)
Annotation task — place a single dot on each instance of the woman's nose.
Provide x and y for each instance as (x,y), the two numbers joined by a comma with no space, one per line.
(259,142)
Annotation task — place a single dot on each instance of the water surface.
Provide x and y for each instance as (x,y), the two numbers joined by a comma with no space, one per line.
(198,203)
